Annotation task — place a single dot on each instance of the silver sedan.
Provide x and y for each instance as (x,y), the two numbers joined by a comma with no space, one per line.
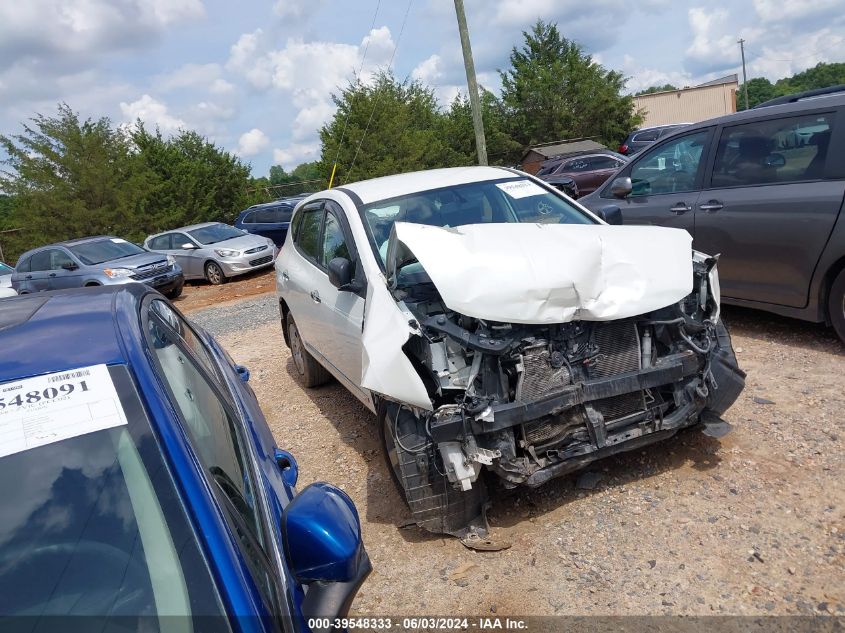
(214,251)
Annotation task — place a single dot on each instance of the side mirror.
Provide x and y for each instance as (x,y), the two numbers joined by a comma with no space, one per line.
(188,246)
(322,535)
(775,161)
(340,273)
(611,214)
(70,266)
(621,187)
(287,464)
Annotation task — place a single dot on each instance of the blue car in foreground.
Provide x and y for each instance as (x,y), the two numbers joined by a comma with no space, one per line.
(142,487)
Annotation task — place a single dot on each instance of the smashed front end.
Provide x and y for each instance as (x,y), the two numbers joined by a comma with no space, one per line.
(533,401)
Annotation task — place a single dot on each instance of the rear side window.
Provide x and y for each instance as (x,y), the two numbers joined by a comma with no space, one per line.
(604,162)
(776,151)
(646,136)
(249,218)
(161,243)
(40,261)
(24,266)
(308,238)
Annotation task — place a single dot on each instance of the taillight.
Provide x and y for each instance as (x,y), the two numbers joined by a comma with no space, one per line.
(623,149)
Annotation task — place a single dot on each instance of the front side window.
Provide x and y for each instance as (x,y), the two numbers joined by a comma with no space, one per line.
(578,164)
(308,237)
(669,168)
(93,524)
(487,202)
(106,250)
(59,259)
(217,438)
(334,244)
(775,151)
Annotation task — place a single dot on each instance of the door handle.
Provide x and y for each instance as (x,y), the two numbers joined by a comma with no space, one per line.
(680,207)
(285,275)
(52,274)
(711,206)
(315,296)
(29,276)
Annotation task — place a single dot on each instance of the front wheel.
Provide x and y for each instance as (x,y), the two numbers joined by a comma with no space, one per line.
(214,274)
(174,293)
(836,305)
(415,465)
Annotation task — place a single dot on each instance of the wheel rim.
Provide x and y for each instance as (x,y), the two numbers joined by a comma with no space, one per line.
(296,349)
(215,275)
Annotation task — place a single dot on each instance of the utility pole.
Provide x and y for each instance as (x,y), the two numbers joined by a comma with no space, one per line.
(741,43)
(474,103)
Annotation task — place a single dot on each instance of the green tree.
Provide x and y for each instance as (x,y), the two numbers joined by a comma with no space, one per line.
(190,180)
(653,89)
(553,90)
(71,177)
(393,127)
(459,135)
(760,89)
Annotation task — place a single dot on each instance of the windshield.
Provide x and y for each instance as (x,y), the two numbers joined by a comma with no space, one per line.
(215,233)
(5,270)
(492,201)
(92,524)
(106,250)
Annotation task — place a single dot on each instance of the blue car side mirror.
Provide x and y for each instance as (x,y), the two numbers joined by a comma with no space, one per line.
(322,535)
(287,464)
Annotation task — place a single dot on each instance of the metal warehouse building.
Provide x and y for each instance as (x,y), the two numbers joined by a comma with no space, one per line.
(689,105)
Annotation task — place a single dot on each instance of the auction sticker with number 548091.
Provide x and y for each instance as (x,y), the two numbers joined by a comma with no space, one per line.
(54,407)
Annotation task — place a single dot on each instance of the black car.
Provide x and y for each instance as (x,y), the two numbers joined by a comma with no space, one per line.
(638,140)
(271,219)
(764,189)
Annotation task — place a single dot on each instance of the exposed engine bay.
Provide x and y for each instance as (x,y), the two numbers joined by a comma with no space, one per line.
(529,402)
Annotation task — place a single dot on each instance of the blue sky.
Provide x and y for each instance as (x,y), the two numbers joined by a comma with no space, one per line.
(256,76)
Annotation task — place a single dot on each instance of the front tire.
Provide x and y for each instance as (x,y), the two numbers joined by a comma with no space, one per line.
(417,470)
(174,294)
(313,374)
(214,274)
(836,305)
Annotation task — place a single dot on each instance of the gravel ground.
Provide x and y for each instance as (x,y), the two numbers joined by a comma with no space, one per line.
(753,523)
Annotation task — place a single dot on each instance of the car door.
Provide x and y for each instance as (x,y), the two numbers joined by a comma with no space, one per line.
(217,435)
(191,260)
(666,182)
(601,168)
(773,197)
(299,267)
(340,313)
(37,279)
(65,272)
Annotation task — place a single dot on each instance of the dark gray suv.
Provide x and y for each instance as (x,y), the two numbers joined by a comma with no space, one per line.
(95,261)
(764,188)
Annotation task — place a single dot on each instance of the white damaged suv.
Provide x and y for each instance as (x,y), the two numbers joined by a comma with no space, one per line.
(496,328)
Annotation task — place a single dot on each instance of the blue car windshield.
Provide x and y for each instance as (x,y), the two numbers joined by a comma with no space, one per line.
(93,253)
(92,526)
(215,233)
(486,202)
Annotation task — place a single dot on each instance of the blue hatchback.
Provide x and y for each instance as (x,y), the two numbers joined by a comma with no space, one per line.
(142,487)
(271,219)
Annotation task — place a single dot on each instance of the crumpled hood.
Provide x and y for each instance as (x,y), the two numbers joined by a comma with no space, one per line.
(549,273)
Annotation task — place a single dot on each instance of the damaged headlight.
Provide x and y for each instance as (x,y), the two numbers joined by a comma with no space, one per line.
(707,264)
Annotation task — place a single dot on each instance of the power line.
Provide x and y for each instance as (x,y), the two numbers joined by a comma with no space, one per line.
(357,79)
(378,95)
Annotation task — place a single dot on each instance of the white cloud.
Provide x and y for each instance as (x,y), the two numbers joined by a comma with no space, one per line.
(252,142)
(296,154)
(791,10)
(297,9)
(195,76)
(428,71)
(153,113)
(640,78)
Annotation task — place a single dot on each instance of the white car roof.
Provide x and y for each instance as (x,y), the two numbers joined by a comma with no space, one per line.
(402,184)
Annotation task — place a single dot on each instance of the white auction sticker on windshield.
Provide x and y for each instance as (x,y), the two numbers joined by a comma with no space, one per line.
(521,188)
(48,409)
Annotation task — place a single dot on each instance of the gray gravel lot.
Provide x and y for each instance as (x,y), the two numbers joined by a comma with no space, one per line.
(750,524)
(238,316)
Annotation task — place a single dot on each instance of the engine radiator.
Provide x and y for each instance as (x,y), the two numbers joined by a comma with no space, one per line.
(619,352)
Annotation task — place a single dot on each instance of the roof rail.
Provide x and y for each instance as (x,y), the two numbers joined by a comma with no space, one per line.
(798,96)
